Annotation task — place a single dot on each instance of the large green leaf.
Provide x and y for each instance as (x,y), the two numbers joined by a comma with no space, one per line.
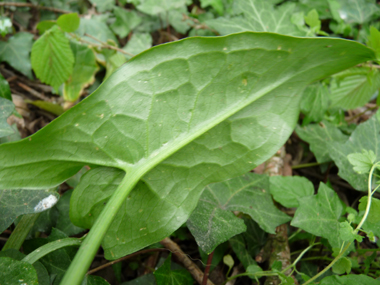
(357,11)
(52,58)
(16,52)
(319,136)
(365,137)
(83,73)
(319,214)
(175,128)
(257,16)
(354,87)
(14,203)
(212,221)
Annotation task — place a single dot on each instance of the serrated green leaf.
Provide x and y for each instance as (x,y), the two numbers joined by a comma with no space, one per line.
(6,109)
(365,136)
(5,90)
(138,43)
(83,73)
(165,276)
(52,58)
(173,128)
(362,162)
(287,190)
(212,222)
(69,22)
(354,87)
(153,7)
(349,280)
(319,215)
(343,265)
(16,52)
(319,136)
(374,213)
(257,16)
(314,103)
(14,203)
(103,5)
(125,22)
(16,271)
(43,26)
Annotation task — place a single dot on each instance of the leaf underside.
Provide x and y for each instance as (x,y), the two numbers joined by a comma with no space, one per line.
(182,115)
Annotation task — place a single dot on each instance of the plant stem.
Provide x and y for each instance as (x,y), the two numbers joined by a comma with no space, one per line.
(86,253)
(299,257)
(22,229)
(207,269)
(307,165)
(50,247)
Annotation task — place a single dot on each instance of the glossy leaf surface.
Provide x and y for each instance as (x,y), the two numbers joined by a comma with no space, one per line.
(213,222)
(176,118)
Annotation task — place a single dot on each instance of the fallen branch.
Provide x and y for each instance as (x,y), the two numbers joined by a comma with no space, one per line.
(189,265)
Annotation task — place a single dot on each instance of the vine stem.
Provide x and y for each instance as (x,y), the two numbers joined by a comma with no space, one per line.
(86,253)
(368,207)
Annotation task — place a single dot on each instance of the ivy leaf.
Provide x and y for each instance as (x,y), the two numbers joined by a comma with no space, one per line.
(357,11)
(5,90)
(178,21)
(314,103)
(312,19)
(287,190)
(125,22)
(212,222)
(362,162)
(374,212)
(6,109)
(165,276)
(319,215)
(97,29)
(52,58)
(153,7)
(354,87)
(349,280)
(103,5)
(16,271)
(14,203)
(346,233)
(343,265)
(138,43)
(339,152)
(16,52)
(257,16)
(319,136)
(164,123)
(83,73)
(69,22)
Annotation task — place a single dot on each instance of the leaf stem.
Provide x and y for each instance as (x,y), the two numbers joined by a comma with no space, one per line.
(86,253)
(299,257)
(50,247)
(311,164)
(21,231)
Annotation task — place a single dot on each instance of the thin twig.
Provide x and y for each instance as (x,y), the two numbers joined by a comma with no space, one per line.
(33,92)
(124,258)
(105,45)
(189,265)
(30,5)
